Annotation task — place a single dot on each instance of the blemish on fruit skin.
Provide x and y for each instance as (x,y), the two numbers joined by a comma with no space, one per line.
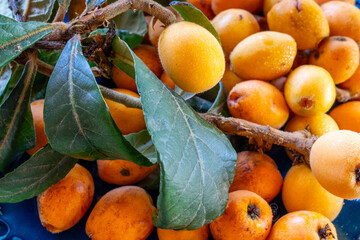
(241,17)
(357,174)
(125,172)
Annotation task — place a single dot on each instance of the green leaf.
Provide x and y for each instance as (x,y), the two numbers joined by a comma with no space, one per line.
(5,75)
(197,160)
(132,39)
(16,124)
(17,37)
(199,104)
(220,104)
(77,120)
(132,21)
(49,57)
(4,9)
(39,10)
(6,19)
(191,14)
(11,83)
(142,142)
(123,58)
(44,169)
(64,3)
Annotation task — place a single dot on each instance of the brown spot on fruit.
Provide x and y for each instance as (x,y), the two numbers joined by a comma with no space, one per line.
(125,172)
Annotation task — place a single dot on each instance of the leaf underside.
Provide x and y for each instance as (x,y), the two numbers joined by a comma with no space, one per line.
(77,120)
(44,169)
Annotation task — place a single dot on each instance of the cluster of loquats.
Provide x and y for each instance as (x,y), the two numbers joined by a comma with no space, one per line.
(288,71)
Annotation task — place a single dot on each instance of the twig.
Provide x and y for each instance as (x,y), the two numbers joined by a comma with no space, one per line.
(343,95)
(27,10)
(60,14)
(125,99)
(15,10)
(299,141)
(50,45)
(93,19)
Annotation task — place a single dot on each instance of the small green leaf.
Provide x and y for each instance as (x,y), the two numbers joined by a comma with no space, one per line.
(4,9)
(49,57)
(77,120)
(142,142)
(6,19)
(11,83)
(197,160)
(17,37)
(64,3)
(132,21)
(16,124)
(39,10)
(44,169)
(220,104)
(191,14)
(123,58)
(132,39)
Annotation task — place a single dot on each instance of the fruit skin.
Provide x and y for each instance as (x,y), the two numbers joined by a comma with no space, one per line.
(353,83)
(128,120)
(230,79)
(204,6)
(335,162)
(123,213)
(258,173)
(309,90)
(248,5)
(321,2)
(199,234)
(61,206)
(317,125)
(149,56)
(258,102)
(302,225)
(347,116)
(338,55)
(247,216)
(302,19)
(167,81)
(122,172)
(263,56)
(343,19)
(301,191)
(191,56)
(234,25)
(37,108)
(268,4)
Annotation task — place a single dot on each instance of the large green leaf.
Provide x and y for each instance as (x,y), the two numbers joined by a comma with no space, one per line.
(4,9)
(191,14)
(77,120)
(6,19)
(197,160)
(17,37)
(38,10)
(16,125)
(44,169)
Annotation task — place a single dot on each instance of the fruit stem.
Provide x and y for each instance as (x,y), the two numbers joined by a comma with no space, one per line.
(343,95)
(127,100)
(300,141)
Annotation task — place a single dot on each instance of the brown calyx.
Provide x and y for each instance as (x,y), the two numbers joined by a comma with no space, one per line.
(325,233)
(253,212)
(357,174)
(306,103)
